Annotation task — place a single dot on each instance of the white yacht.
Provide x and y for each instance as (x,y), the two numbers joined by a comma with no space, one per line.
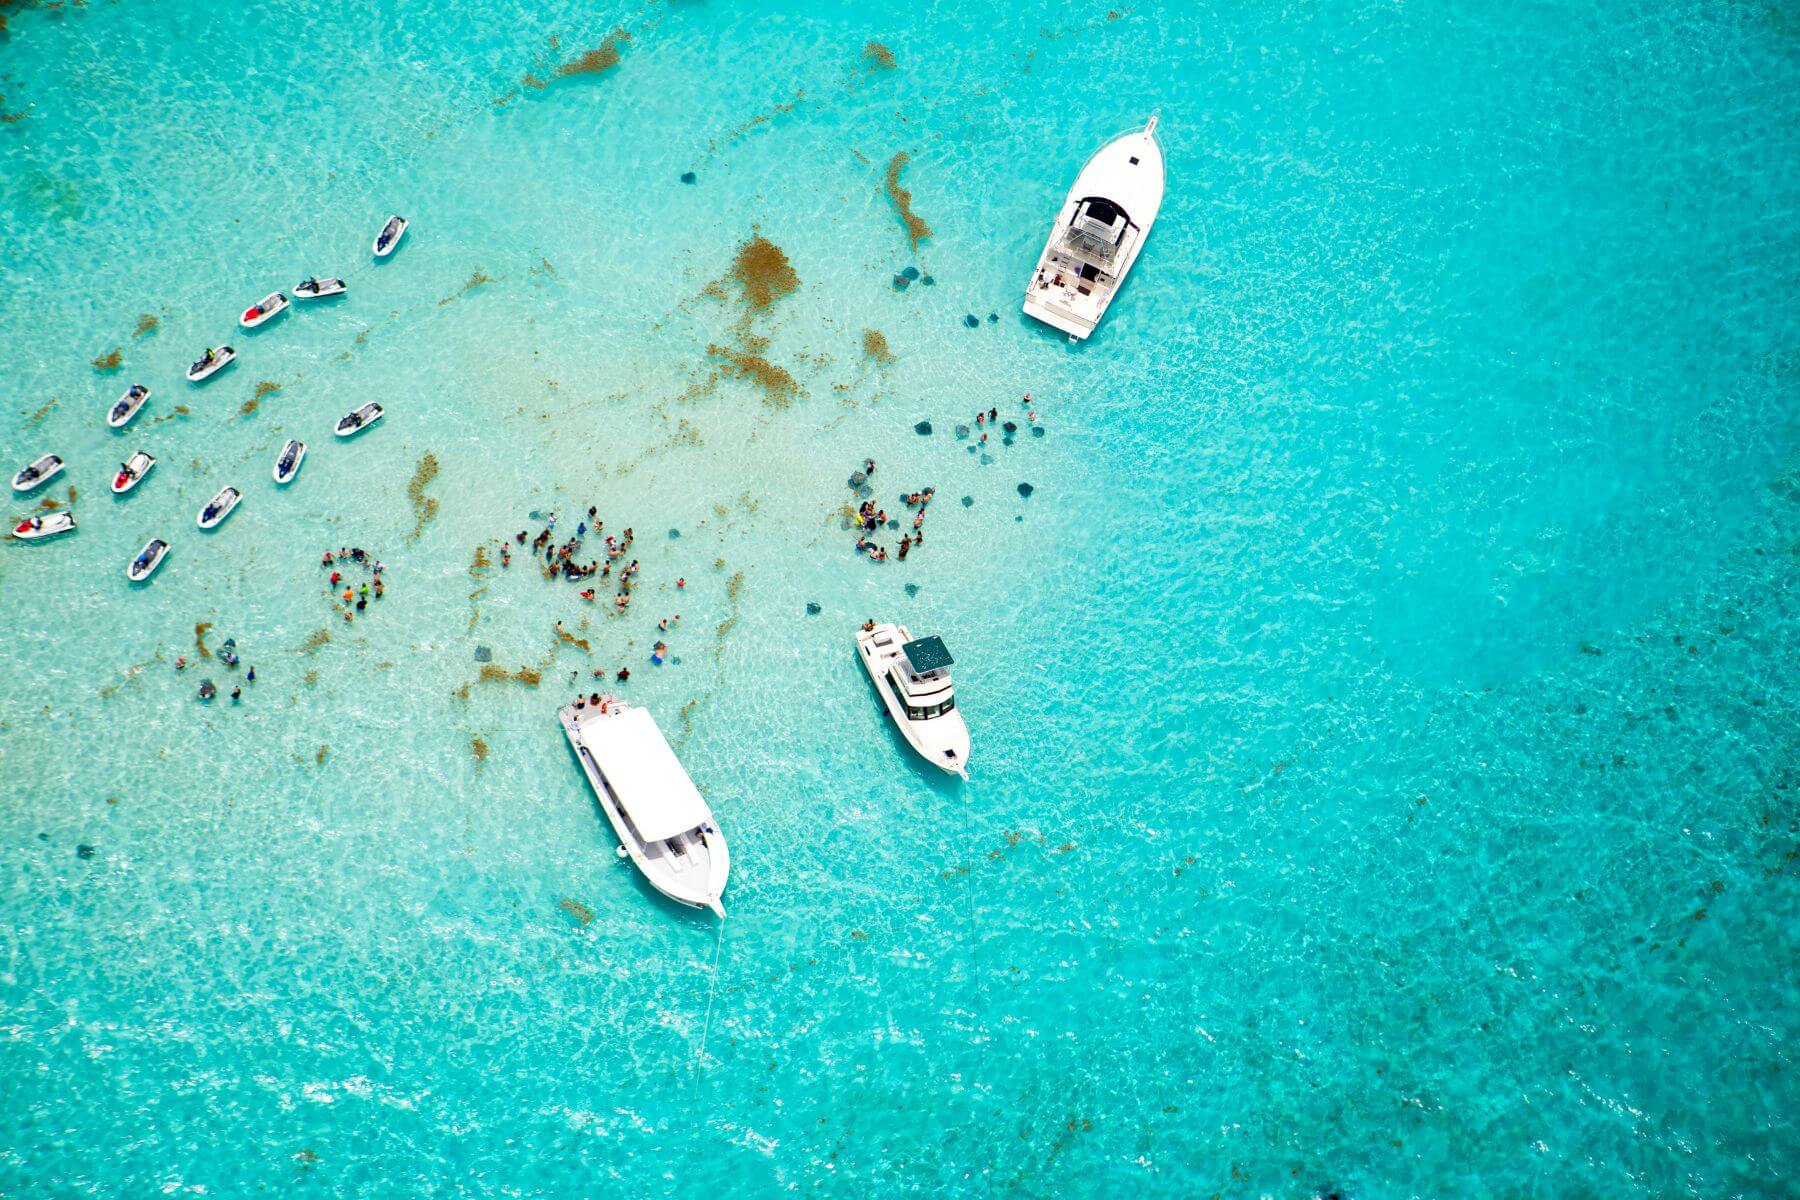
(913,677)
(1097,236)
(662,821)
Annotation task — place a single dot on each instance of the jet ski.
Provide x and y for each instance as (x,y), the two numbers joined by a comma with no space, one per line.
(205,368)
(148,559)
(318,289)
(38,473)
(36,529)
(288,464)
(355,422)
(132,472)
(390,236)
(219,507)
(266,309)
(127,406)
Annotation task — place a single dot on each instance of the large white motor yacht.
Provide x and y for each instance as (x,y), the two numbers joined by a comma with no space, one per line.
(913,678)
(1099,233)
(662,821)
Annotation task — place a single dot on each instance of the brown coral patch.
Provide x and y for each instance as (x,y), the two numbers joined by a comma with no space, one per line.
(146,323)
(762,270)
(35,418)
(249,406)
(916,228)
(476,279)
(200,629)
(576,909)
(318,639)
(778,386)
(266,387)
(479,749)
(319,758)
(570,638)
(525,675)
(110,361)
(875,346)
(878,56)
(424,507)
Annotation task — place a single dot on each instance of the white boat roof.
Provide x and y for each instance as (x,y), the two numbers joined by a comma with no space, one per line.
(649,781)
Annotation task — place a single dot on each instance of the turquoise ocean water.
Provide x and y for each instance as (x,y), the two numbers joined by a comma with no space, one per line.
(1383,707)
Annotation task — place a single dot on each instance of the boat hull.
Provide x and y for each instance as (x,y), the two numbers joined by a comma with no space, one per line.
(929,739)
(701,884)
(1129,172)
(143,463)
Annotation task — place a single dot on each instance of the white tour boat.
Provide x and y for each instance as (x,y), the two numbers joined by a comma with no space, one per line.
(210,364)
(266,309)
(1097,236)
(37,473)
(355,422)
(318,289)
(218,508)
(287,464)
(662,821)
(913,677)
(132,471)
(36,529)
(127,406)
(148,559)
(390,236)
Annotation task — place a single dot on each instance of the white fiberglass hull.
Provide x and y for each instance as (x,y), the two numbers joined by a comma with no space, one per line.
(126,408)
(264,311)
(140,464)
(943,740)
(48,468)
(222,506)
(1128,171)
(200,372)
(695,877)
(47,527)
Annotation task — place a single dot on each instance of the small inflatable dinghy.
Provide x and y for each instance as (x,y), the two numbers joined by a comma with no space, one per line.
(149,558)
(127,406)
(219,507)
(318,289)
(210,364)
(287,464)
(266,309)
(36,529)
(390,236)
(355,422)
(37,474)
(132,472)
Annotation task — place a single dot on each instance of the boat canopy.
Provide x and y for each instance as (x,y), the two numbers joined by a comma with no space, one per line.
(644,774)
(926,654)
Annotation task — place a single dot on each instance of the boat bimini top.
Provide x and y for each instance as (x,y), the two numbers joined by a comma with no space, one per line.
(645,777)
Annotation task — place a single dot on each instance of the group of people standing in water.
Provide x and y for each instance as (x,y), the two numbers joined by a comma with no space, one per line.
(870,518)
(354,598)
(560,560)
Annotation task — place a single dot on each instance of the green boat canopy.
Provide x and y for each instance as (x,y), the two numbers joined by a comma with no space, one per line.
(926,654)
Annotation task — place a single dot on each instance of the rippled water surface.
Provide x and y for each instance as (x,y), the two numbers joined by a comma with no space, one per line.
(1383,703)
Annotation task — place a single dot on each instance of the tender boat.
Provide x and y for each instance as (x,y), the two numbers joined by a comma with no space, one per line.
(663,823)
(36,474)
(287,464)
(132,472)
(913,677)
(127,406)
(318,289)
(390,236)
(266,309)
(149,558)
(206,368)
(1099,233)
(355,422)
(36,529)
(219,507)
